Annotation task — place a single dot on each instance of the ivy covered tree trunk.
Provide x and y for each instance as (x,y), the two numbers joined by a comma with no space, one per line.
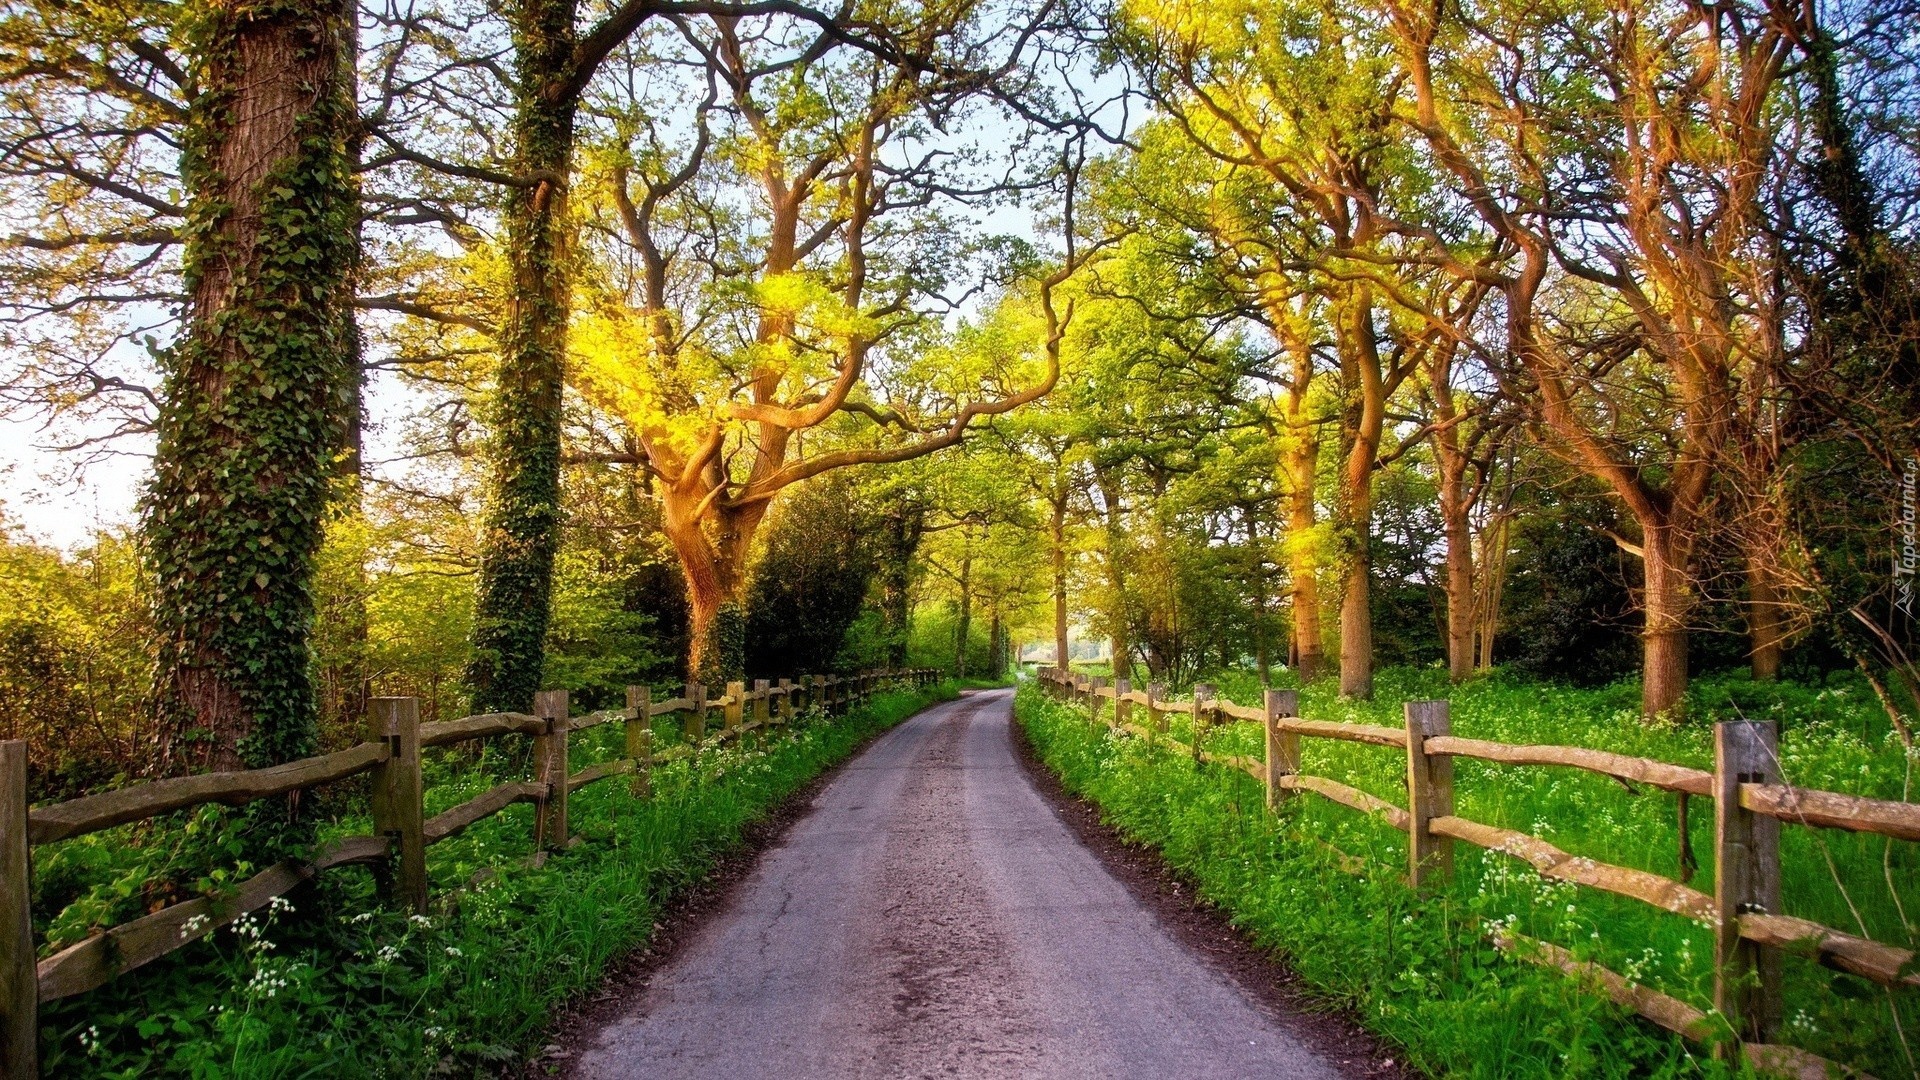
(521,529)
(256,391)
(903,523)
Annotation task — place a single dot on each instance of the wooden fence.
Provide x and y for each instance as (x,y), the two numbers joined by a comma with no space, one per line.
(1749,802)
(401,830)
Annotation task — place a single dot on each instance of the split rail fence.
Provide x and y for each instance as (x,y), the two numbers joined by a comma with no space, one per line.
(1749,803)
(401,830)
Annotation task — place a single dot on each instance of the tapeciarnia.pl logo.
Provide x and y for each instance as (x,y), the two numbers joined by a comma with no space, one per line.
(1906,556)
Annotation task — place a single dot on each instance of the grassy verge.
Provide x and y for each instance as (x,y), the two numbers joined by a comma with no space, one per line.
(1321,885)
(332,985)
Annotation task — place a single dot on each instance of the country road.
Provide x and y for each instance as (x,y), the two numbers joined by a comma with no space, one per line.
(931,915)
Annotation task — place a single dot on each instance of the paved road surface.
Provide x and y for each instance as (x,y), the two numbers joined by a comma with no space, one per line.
(931,917)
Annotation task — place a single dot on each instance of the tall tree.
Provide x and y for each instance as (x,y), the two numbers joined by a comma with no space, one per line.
(256,393)
(762,276)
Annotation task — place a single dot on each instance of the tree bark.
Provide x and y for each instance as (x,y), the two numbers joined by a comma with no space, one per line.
(1366,420)
(1301,461)
(1057,538)
(521,525)
(903,528)
(1493,572)
(256,392)
(1121,648)
(1455,507)
(713,545)
(1667,603)
(1766,630)
(965,628)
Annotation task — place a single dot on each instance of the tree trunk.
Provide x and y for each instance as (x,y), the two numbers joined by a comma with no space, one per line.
(256,391)
(997,645)
(902,539)
(1121,648)
(965,629)
(1303,562)
(1668,601)
(1765,627)
(1366,418)
(1454,512)
(521,524)
(1057,536)
(714,567)
(1493,574)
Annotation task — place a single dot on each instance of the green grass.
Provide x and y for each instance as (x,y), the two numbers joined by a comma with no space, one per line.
(333,985)
(1421,972)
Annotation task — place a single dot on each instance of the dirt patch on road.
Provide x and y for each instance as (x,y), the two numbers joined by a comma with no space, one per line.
(948,988)
(1205,929)
(682,915)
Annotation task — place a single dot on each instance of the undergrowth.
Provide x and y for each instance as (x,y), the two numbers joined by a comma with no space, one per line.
(1321,884)
(332,984)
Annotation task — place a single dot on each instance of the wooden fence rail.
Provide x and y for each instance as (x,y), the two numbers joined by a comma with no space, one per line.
(402,831)
(1750,803)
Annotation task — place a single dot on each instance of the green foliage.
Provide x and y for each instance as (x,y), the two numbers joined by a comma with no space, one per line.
(74,665)
(1567,614)
(521,533)
(331,985)
(597,644)
(811,583)
(1450,1014)
(255,396)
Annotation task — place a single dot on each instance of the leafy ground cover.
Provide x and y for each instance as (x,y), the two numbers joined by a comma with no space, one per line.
(1321,884)
(331,984)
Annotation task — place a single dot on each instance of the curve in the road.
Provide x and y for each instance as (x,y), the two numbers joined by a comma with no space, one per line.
(931,917)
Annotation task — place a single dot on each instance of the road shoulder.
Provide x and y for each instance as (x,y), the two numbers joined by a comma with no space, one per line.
(1330,1031)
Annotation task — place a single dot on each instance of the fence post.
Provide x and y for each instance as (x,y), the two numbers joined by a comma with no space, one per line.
(1429,793)
(640,739)
(786,702)
(1202,715)
(1746,880)
(1156,717)
(397,808)
(735,710)
(1094,685)
(550,768)
(1122,708)
(19,982)
(762,710)
(695,722)
(1283,747)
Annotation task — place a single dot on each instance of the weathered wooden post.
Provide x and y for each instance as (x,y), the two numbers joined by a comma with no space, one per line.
(1122,708)
(735,709)
(762,711)
(1094,685)
(694,723)
(398,812)
(1156,716)
(640,739)
(1746,881)
(1283,747)
(786,702)
(1429,793)
(1202,717)
(19,982)
(550,768)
